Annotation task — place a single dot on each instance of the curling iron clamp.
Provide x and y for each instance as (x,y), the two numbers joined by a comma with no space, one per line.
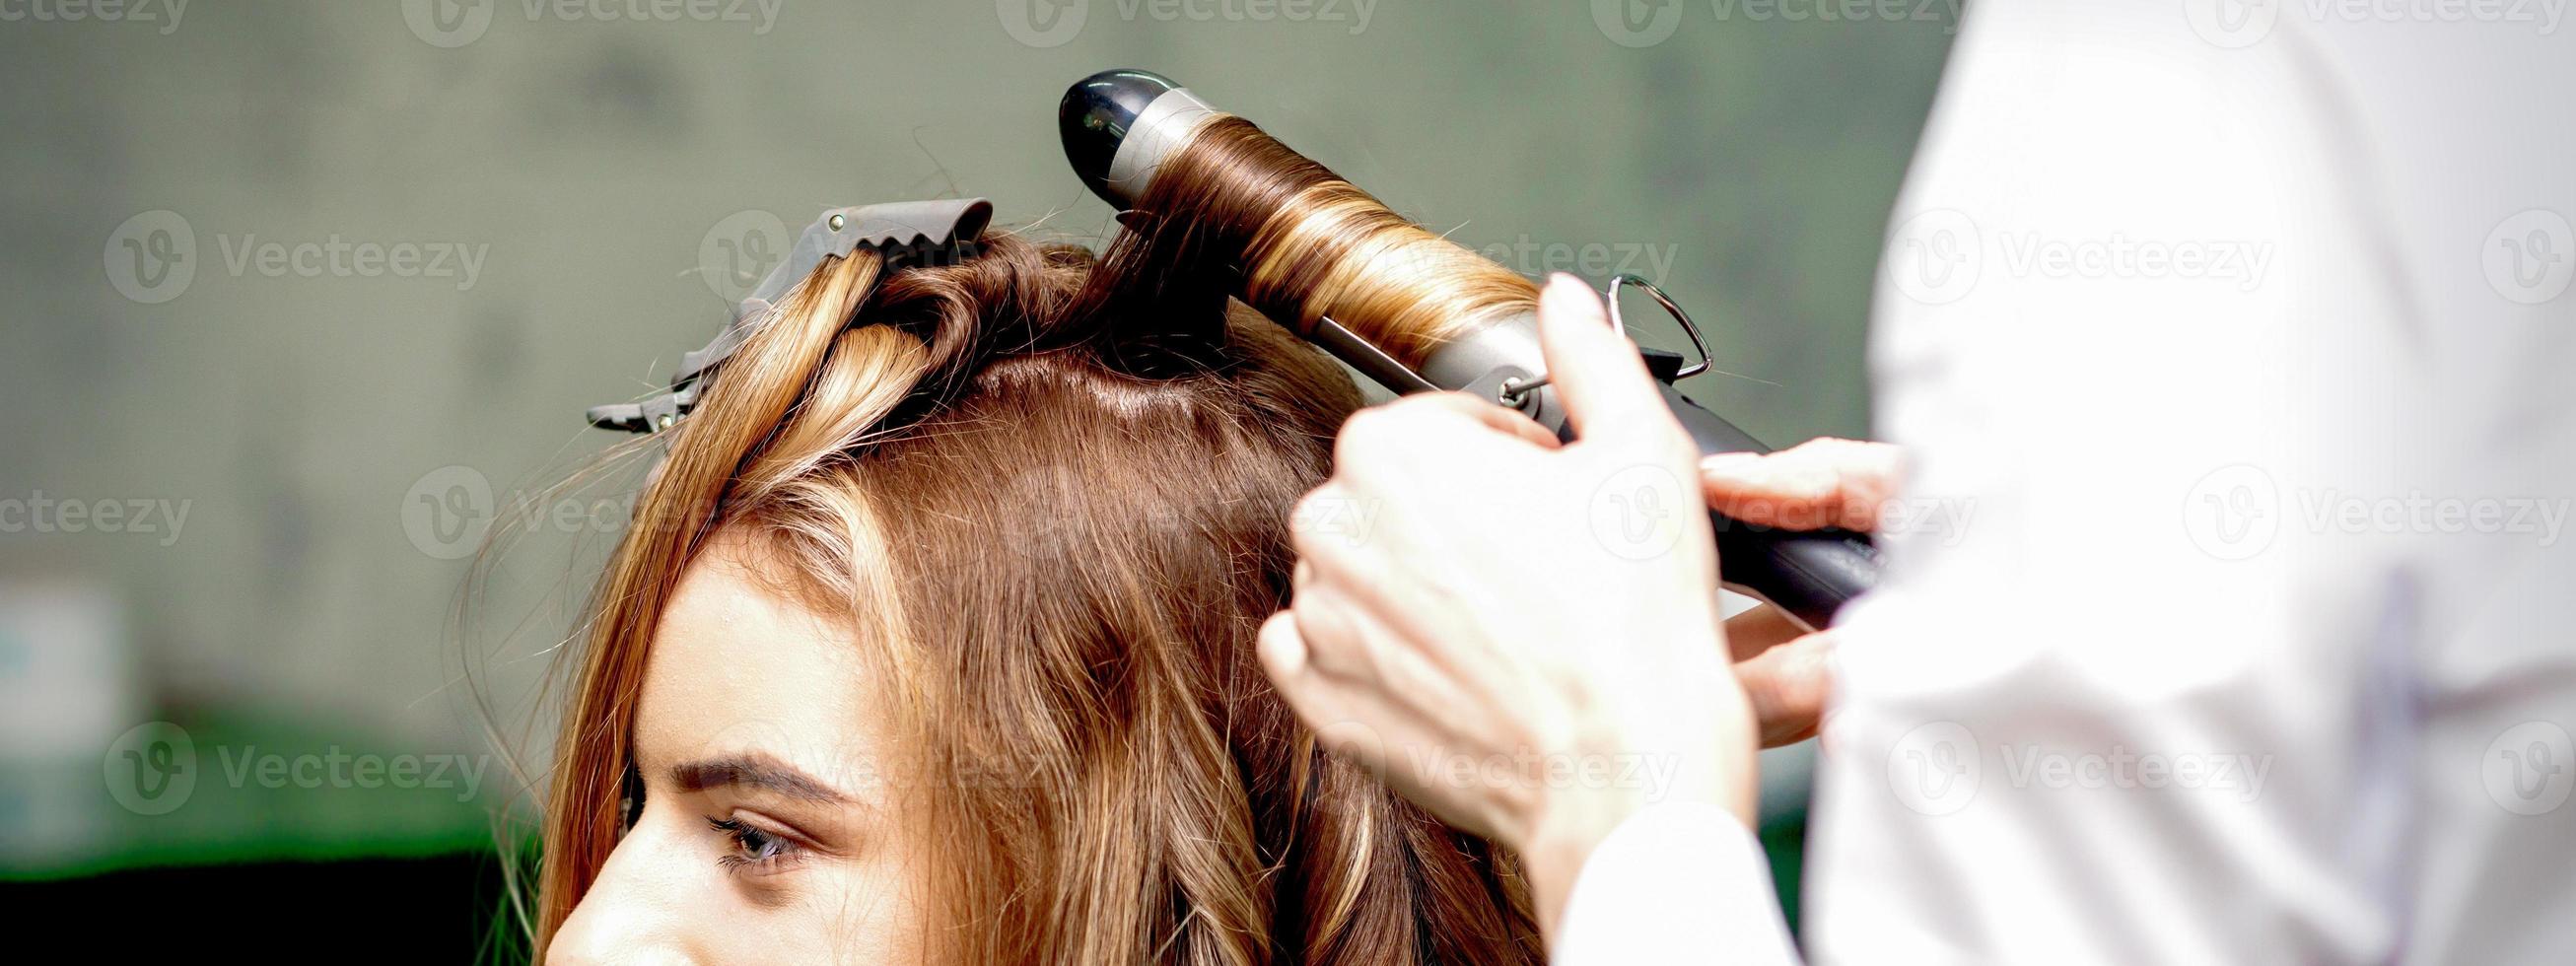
(1119,126)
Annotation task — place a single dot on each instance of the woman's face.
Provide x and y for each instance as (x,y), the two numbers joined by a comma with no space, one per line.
(767,833)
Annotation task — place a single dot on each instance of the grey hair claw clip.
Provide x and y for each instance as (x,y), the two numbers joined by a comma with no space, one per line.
(900,230)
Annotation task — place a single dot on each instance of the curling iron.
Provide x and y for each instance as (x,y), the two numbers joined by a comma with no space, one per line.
(1120,126)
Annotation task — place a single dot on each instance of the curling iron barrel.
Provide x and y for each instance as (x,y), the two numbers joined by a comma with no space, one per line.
(1123,127)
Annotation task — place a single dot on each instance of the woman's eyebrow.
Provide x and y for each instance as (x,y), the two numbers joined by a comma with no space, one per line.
(754,770)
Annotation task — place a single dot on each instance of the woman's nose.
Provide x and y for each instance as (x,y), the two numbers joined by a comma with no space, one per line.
(635,914)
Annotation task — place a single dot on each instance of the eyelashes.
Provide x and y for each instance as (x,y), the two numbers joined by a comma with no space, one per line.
(751,848)
(756,850)
(630,800)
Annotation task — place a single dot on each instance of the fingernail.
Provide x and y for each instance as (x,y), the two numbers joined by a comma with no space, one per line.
(1565,290)
(1288,658)
(1281,649)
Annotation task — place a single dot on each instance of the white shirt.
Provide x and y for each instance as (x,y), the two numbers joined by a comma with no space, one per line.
(2239,334)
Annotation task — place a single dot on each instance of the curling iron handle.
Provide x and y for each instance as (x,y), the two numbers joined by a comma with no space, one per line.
(1808,573)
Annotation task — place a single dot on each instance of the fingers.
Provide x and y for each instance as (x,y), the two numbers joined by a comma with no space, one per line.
(1393,440)
(1360,629)
(1818,483)
(1316,699)
(1597,372)
(1508,422)
(1353,714)
(1790,688)
(1761,629)
(1330,529)
(1354,724)
(1283,654)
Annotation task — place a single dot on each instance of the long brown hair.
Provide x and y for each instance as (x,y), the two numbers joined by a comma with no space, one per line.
(1298,243)
(1069,504)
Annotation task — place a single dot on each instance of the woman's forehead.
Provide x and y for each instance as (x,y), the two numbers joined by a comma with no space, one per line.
(740,664)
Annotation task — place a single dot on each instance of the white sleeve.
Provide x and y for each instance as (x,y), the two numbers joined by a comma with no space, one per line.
(1679,882)
(2227,619)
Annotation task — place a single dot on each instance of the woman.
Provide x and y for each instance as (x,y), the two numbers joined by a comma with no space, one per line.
(933,642)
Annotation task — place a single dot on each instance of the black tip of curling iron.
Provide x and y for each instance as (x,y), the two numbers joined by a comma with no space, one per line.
(1096,115)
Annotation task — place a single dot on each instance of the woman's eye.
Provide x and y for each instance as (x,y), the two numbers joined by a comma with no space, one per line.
(630,800)
(755,849)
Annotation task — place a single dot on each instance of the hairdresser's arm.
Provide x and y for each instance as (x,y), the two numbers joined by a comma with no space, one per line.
(1528,681)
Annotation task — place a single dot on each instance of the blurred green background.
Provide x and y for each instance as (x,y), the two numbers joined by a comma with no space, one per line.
(303,294)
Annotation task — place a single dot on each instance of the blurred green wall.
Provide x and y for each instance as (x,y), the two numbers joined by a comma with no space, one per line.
(194,321)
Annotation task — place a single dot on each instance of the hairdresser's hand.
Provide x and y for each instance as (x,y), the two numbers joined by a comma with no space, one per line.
(1788,673)
(1521,636)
